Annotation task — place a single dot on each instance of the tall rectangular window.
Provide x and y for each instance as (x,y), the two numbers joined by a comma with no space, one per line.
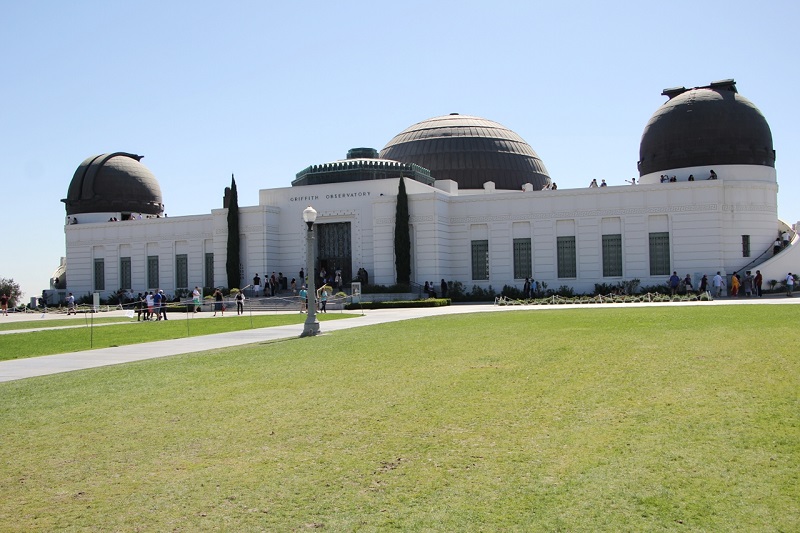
(210,269)
(152,271)
(522,258)
(480,260)
(745,245)
(125,273)
(612,255)
(566,257)
(99,274)
(659,253)
(181,271)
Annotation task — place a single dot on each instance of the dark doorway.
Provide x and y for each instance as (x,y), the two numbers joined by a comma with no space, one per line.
(334,251)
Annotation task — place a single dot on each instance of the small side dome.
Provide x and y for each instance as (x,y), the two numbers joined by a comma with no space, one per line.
(470,151)
(110,183)
(705,126)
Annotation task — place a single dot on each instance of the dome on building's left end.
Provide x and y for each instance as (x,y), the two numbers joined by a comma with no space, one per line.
(110,183)
(705,126)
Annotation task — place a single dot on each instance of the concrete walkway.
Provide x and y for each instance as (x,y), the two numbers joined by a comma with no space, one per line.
(53,364)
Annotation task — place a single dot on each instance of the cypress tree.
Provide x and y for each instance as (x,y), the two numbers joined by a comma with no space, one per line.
(232,261)
(402,238)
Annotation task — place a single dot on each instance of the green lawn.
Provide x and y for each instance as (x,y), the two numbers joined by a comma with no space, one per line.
(44,321)
(613,419)
(86,337)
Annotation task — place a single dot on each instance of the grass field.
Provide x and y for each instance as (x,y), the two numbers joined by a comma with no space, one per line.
(664,418)
(77,334)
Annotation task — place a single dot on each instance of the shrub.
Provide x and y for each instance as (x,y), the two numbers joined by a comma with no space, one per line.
(399,304)
(512,292)
(660,289)
(377,289)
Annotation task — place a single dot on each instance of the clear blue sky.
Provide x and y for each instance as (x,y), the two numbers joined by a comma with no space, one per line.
(264,89)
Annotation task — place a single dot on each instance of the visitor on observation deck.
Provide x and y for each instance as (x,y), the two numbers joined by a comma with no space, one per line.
(593,183)
(712,175)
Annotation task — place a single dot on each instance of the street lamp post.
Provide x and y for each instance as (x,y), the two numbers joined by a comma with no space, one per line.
(311,326)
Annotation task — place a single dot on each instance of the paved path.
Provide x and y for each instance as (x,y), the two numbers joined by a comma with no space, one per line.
(53,364)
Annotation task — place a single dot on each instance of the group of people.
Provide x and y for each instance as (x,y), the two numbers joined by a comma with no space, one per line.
(781,242)
(271,286)
(430,290)
(749,284)
(153,305)
(530,288)
(593,183)
(322,298)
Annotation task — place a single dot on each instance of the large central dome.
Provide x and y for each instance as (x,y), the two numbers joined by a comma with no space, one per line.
(470,151)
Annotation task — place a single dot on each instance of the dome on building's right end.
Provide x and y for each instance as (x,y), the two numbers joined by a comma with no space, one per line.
(705,126)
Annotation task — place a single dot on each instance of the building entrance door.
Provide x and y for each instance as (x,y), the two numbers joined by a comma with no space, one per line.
(334,251)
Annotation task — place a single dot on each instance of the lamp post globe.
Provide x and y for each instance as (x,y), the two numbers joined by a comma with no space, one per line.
(311,326)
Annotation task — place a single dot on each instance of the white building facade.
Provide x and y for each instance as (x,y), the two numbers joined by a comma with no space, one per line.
(494,235)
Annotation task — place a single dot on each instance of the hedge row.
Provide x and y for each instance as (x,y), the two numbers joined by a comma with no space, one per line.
(399,304)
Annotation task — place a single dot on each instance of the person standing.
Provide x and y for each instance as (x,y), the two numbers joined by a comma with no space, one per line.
(4,303)
(526,289)
(747,284)
(239,303)
(70,305)
(444,288)
(196,299)
(157,304)
(687,282)
(218,305)
(758,281)
(148,301)
(718,283)
(735,284)
(674,282)
(256,285)
(163,308)
(703,284)
(785,238)
(303,298)
(789,284)
(322,294)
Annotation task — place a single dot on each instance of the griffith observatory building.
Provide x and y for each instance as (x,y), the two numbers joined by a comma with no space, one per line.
(482,211)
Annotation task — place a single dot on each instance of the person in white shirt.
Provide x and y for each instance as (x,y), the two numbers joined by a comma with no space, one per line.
(718,282)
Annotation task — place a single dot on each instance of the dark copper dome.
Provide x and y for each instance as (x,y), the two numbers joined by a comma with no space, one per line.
(705,126)
(470,151)
(111,183)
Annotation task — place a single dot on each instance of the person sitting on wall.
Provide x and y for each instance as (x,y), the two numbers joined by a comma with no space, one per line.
(712,175)
(603,183)
(691,177)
